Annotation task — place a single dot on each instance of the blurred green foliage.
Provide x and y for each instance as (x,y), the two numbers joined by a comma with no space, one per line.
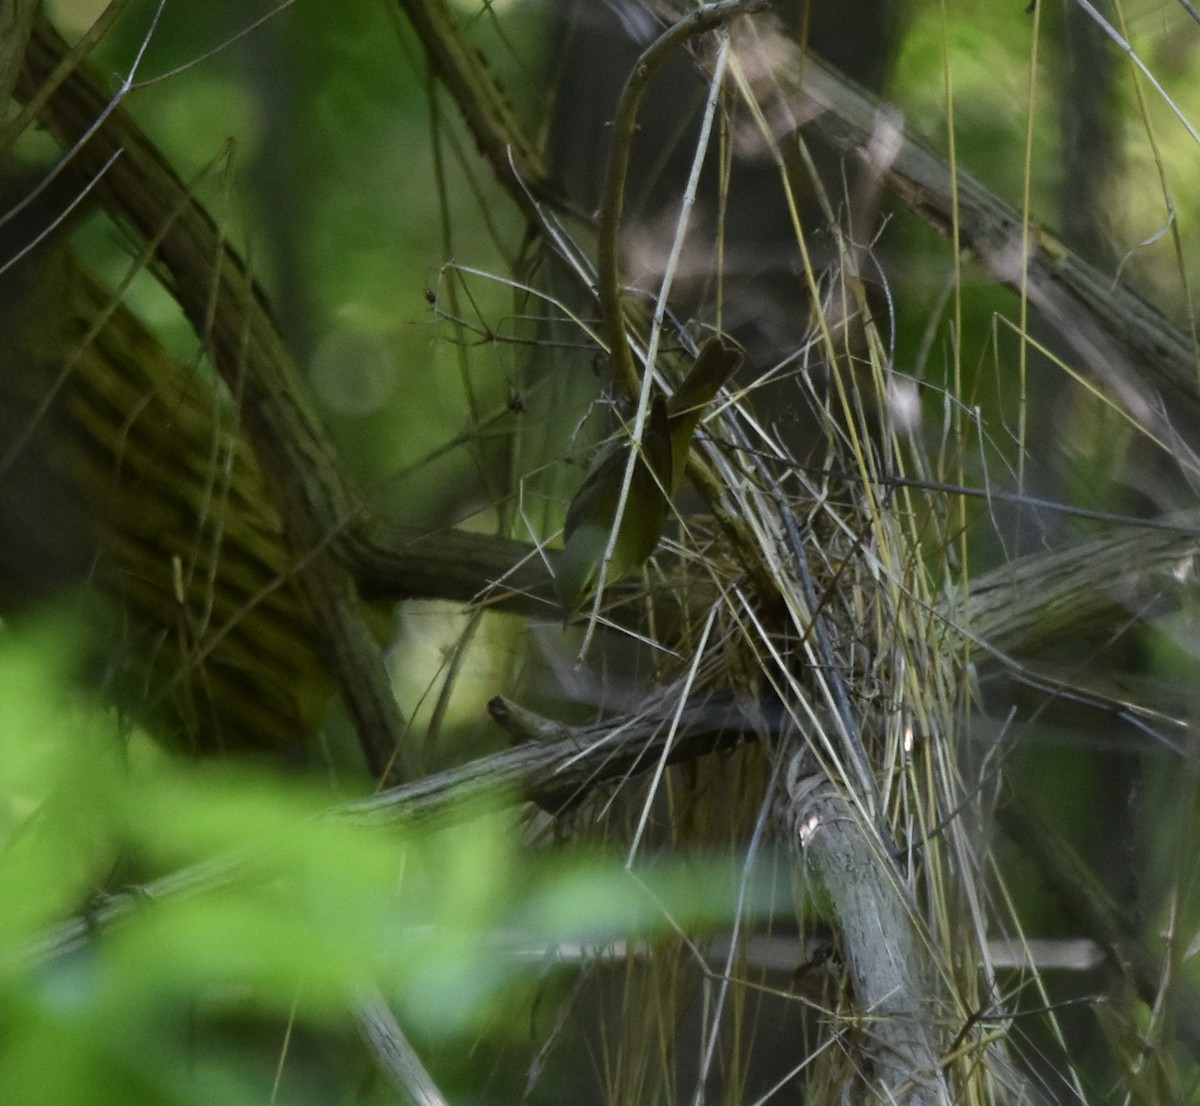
(452,923)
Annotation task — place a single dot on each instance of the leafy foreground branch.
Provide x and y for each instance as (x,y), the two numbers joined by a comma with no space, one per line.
(556,777)
(880,944)
(285,848)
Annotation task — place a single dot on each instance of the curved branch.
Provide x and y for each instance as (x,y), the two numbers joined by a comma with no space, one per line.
(624,128)
(225,307)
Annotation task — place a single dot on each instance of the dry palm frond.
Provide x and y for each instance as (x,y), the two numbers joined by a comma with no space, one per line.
(130,469)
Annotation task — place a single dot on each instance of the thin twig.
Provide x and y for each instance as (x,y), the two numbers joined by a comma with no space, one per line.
(620,148)
(396,1056)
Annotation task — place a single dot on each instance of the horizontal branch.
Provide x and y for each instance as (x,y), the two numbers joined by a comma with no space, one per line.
(560,775)
(1021,608)
(1084,591)
(399,562)
(556,777)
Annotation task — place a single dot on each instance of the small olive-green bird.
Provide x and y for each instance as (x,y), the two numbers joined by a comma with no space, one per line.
(657,473)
